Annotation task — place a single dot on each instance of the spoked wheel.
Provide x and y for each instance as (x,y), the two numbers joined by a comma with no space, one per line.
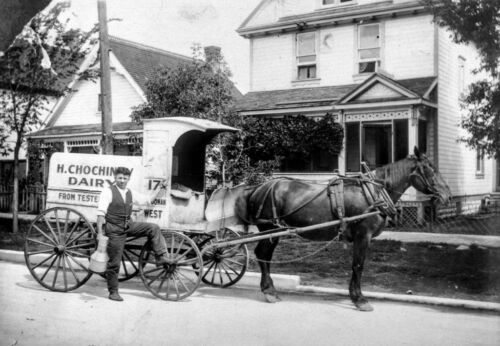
(129,266)
(177,279)
(57,249)
(223,265)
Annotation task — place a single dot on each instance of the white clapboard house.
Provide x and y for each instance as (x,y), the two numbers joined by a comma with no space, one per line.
(391,76)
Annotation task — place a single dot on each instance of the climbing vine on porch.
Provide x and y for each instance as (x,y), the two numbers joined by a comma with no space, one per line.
(296,136)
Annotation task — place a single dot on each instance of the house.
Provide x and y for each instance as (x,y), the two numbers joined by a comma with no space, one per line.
(389,74)
(74,124)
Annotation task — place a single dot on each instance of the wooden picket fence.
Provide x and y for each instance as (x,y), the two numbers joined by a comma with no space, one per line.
(31,198)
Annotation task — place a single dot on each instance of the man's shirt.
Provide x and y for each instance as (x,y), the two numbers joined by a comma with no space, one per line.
(107,196)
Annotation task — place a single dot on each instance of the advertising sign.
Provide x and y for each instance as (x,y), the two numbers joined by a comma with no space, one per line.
(76,181)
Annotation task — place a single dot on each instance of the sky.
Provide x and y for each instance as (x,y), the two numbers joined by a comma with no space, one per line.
(175,25)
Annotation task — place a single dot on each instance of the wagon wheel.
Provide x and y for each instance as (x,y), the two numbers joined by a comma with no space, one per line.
(57,249)
(176,280)
(129,266)
(224,265)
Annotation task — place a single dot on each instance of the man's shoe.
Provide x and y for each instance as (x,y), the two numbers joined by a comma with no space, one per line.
(162,260)
(115,296)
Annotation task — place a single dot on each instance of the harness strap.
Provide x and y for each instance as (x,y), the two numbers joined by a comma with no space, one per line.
(336,194)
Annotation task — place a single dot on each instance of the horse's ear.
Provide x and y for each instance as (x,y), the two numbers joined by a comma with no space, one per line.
(416,152)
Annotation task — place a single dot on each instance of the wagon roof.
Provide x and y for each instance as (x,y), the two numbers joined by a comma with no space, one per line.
(196,124)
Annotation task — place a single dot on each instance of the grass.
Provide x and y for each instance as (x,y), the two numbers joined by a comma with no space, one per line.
(424,269)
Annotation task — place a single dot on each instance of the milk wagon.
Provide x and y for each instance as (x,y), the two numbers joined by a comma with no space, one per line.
(60,240)
(200,248)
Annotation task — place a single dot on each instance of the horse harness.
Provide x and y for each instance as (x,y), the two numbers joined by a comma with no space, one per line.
(335,192)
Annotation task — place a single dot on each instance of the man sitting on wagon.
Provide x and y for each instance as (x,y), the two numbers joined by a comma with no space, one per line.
(114,210)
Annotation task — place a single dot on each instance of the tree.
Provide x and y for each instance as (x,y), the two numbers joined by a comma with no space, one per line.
(201,88)
(477,22)
(39,64)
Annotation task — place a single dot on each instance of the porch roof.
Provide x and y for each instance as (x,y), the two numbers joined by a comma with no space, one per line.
(293,99)
(83,130)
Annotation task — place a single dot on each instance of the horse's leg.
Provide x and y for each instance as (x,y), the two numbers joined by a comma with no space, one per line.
(264,253)
(360,245)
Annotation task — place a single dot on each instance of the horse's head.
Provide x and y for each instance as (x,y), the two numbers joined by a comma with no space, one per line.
(426,179)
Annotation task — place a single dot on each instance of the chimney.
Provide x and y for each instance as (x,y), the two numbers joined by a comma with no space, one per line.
(213,57)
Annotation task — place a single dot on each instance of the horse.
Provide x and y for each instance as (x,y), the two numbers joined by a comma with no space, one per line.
(296,203)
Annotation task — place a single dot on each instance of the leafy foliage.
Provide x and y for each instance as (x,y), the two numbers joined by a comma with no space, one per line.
(477,22)
(197,89)
(40,63)
(483,121)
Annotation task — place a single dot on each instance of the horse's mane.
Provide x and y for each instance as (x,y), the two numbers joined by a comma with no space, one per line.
(393,171)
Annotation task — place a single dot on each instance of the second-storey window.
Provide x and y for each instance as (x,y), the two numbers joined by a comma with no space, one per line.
(306,55)
(335,2)
(369,48)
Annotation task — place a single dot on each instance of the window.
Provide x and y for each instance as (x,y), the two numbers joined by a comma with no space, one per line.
(336,2)
(461,74)
(376,143)
(99,103)
(306,55)
(368,48)
(480,164)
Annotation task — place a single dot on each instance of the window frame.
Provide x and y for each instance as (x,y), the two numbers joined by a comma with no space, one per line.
(306,64)
(377,61)
(336,3)
(479,164)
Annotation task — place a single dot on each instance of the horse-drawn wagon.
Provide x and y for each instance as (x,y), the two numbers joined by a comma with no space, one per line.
(60,240)
(201,246)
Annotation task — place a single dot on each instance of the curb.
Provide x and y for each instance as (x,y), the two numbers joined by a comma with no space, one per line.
(439,301)
(291,283)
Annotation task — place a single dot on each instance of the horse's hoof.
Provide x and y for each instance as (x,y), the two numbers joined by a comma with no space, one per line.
(364,306)
(272,298)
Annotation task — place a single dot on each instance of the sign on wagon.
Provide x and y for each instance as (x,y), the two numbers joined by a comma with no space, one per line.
(76,181)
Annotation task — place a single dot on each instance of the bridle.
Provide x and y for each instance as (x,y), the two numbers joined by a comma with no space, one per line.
(418,176)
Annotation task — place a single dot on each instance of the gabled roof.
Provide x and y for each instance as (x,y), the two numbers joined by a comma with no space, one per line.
(330,16)
(325,98)
(404,89)
(142,61)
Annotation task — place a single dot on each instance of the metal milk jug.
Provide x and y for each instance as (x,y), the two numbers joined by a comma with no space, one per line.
(99,259)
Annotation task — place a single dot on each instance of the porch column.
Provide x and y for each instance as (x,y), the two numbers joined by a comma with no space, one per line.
(413,129)
(412,142)
(342,157)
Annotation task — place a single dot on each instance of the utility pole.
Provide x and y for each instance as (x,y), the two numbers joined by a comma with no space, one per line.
(107,118)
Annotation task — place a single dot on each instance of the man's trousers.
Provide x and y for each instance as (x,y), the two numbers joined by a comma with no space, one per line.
(118,235)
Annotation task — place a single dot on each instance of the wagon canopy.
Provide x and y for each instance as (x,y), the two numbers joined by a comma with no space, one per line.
(177,126)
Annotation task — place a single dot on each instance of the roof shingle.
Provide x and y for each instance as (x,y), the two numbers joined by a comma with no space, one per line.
(142,61)
(314,97)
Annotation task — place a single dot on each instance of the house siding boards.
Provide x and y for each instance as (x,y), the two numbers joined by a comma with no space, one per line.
(456,162)
(273,61)
(83,107)
(406,53)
